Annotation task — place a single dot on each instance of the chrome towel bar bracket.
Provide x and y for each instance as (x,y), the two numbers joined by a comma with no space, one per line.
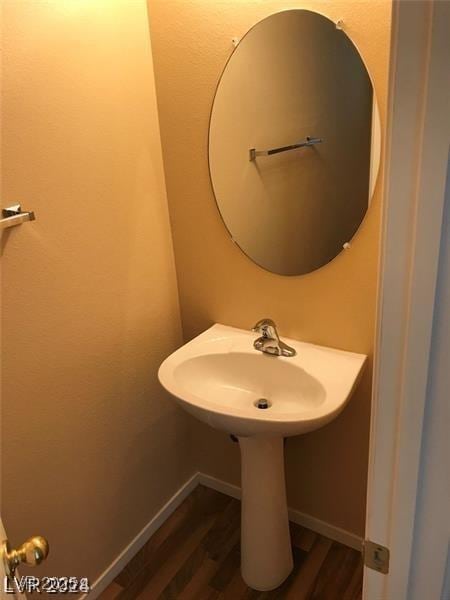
(309,141)
(14,215)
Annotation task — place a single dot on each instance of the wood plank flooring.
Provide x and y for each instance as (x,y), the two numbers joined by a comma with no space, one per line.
(195,556)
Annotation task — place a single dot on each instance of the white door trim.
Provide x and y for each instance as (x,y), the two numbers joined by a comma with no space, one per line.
(416,156)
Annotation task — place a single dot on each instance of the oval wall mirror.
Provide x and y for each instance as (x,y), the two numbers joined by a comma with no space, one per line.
(294,142)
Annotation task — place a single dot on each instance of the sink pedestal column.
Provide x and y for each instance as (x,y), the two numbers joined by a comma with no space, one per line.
(265,540)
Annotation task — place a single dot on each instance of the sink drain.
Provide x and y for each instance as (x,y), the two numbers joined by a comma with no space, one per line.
(263,403)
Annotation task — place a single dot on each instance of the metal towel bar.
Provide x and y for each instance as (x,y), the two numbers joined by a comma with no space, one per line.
(13,215)
(310,141)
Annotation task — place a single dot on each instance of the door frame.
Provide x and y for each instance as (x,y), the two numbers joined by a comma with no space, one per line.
(416,150)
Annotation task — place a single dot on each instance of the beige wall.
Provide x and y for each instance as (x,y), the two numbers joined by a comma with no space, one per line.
(334,306)
(92,447)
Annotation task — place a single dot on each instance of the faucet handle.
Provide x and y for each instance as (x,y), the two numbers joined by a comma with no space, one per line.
(270,342)
(267,328)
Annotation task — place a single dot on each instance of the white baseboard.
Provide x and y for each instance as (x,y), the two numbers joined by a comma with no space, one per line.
(336,534)
(109,574)
(321,527)
(219,485)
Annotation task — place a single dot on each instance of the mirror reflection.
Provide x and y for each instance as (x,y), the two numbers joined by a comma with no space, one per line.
(294,142)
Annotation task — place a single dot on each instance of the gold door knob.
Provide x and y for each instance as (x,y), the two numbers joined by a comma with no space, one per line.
(31,553)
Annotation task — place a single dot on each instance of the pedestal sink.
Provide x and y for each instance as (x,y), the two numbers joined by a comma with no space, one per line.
(222,380)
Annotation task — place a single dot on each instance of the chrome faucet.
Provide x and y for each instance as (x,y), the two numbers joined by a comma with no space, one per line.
(270,342)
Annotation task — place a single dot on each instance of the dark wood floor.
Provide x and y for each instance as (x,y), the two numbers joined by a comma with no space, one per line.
(195,556)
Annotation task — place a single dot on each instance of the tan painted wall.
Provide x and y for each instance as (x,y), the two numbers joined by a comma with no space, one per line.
(333,306)
(92,447)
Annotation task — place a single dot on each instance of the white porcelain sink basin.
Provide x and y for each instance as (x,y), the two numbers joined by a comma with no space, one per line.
(220,378)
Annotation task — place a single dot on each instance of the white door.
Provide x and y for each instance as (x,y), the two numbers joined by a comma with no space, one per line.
(7,588)
(34,550)
(417,151)
(3,594)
